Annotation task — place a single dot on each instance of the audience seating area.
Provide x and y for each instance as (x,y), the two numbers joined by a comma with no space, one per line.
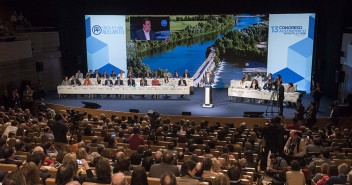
(110,135)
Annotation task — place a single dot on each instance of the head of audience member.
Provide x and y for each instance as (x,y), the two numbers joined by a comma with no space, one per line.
(9,153)
(64,175)
(324,168)
(188,168)
(343,169)
(118,179)
(158,157)
(147,162)
(31,173)
(234,173)
(103,169)
(167,157)
(207,164)
(123,165)
(135,159)
(168,178)
(14,178)
(139,176)
(295,165)
(333,170)
(81,153)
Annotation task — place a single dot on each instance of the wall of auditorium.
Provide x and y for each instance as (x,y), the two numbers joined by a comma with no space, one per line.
(43,48)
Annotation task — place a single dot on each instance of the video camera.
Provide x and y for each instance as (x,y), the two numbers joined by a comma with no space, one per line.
(76,116)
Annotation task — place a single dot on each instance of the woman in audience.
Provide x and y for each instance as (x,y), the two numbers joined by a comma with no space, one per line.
(294,175)
(31,173)
(81,153)
(216,168)
(103,172)
(64,175)
(139,176)
(321,177)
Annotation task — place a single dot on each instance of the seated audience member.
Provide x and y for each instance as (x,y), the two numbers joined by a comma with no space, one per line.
(118,81)
(74,81)
(315,147)
(323,175)
(188,171)
(295,175)
(118,179)
(87,81)
(325,159)
(95,143)
(168,178)
(277,168)
(14,178)
(64,175)
(103,172)
(108,82)
(157,170)
(65,81)
(31,173)
(139,176)
(208,174)
(235,174)
(341,178)
(147,162)
(135,139)
(9,155)
(143,82)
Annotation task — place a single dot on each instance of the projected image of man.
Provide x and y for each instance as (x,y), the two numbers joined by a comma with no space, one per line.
(146,32)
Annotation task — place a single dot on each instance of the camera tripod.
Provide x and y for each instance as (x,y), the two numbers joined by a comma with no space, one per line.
(271,104)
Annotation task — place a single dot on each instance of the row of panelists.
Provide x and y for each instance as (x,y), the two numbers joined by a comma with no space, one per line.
(138,74)
(127,82)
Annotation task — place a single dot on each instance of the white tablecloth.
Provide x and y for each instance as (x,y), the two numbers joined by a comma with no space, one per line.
(263,95)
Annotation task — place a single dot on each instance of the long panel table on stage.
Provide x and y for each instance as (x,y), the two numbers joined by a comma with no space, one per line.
(123,90)
(172,81)
(262,95)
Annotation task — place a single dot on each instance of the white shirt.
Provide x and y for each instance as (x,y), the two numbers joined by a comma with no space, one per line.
(147,36)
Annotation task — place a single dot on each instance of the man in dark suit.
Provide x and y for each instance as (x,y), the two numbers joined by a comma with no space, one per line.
(118,81)
(148,74)
(156,74)
(208,80)
(108,82)
(166,165)
(281,97)
(74,81)
(59,129)
(182,82)
(186,74)
(146,32)
(143,82)
(131,82)
(267,85)
(139,74)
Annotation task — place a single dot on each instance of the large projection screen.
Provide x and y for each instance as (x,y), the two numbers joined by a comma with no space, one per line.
(290,53)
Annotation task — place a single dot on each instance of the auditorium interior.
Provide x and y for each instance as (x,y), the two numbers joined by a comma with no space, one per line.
(42,42)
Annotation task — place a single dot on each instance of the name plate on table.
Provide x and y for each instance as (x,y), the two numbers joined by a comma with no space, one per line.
(84,88)
(100,88)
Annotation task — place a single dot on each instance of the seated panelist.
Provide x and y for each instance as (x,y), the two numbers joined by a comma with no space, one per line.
(108,82)
(155,81)
(118,81)
(131,82)
(87,81)
(182,82)
(74,81)
(143,82)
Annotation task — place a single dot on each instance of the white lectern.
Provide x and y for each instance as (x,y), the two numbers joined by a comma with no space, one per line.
(208,100)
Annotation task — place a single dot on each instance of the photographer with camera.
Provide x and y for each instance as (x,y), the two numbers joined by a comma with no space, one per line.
(59,129)
(295,148)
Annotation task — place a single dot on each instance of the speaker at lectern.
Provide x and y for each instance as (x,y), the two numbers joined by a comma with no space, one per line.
(208,97)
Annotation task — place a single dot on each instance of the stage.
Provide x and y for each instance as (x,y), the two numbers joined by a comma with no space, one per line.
(175,105)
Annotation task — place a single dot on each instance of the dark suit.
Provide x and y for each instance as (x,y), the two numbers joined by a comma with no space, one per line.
(118,82)
(280,99)
(140,35)
(156,75)
(182,82)
(72,82)
(267,86)
(59,129)
(186,75)
(157,170)
(148,75)
(139,75)
(131,83)
(143,83)
(208,81)
(108,82)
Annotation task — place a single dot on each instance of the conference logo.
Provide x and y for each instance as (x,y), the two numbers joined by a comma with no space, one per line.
(289,30)
(96,30)
(163,22)
(108,30)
